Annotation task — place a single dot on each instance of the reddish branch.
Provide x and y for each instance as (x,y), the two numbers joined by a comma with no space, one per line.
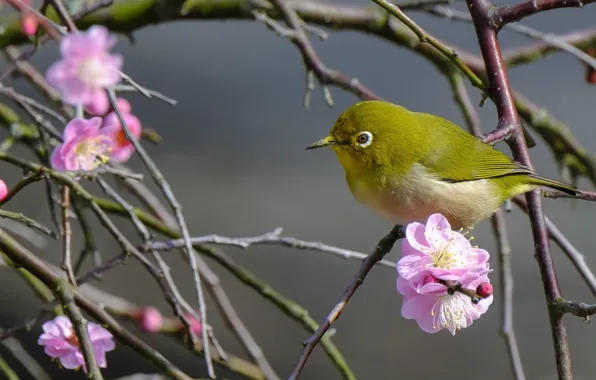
(313,62)
(510,122)
(383,247)
(506,14)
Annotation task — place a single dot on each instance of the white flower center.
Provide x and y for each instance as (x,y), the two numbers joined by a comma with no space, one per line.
(93,152)
(444,255)
(92,72)
(445,258)
(453,312)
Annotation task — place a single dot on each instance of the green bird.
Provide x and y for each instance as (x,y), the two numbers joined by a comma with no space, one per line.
(409,165)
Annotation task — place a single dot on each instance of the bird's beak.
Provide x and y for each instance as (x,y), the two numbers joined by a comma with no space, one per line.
(329,140)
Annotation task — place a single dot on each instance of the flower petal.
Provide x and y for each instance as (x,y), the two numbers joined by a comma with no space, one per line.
(98,103)
(413,265)
(69,360)
(97,332)
(420,308)
(433,288)
(415,239)
(405,288)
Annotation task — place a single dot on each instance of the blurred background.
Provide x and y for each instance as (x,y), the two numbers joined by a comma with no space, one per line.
(233,151)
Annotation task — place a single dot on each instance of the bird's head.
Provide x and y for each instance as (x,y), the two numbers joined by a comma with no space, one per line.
(366,134)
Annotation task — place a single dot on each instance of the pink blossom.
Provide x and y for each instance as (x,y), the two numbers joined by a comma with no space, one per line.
(61,342)
(86,67)
(431,255)
(122,148)
(150,319)
(85,146)
(101,109)
(3,190)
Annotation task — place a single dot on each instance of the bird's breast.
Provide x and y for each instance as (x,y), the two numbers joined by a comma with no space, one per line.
(419,194)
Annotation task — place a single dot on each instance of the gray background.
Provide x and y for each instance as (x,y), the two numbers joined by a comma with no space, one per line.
(233,152)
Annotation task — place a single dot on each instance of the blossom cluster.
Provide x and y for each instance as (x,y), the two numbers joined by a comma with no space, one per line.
(437,262)
(81,77)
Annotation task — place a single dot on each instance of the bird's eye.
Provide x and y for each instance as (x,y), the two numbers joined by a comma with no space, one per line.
(364,139)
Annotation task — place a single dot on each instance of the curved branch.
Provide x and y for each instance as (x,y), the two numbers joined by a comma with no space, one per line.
(505,14)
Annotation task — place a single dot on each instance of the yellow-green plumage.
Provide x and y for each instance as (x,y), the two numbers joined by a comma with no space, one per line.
(416,164)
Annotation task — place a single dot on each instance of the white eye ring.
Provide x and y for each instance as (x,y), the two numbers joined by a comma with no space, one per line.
(364,139)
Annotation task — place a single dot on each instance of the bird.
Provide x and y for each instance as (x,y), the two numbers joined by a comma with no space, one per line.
(408,165)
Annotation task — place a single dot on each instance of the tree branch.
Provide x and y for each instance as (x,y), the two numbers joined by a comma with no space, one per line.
(510,122)
(383,247)
(273,238)
(505,14)
(38,268)
(64,292)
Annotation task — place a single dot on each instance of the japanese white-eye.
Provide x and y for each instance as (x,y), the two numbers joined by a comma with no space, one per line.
(408,165)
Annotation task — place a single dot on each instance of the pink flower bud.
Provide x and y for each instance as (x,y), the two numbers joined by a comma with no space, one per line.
(99,106)
(123,105)
(195,325)
(150,319)
(3,190)
(29,23)
(430,279)
(484,290)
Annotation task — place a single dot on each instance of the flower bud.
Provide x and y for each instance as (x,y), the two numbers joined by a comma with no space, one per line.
(150,319)
(29,23)
(484,290)
(123,105)
(195,325)
(3,190)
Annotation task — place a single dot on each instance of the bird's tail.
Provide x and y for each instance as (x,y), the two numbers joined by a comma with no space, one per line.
(564,187)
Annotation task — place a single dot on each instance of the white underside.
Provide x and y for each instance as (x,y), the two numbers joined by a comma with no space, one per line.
(421,194)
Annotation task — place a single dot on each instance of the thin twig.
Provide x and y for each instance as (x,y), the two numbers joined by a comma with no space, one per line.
(213,283)
(274,237)
(7,370)
(101,170)
(168,285)
(90,246)
(506,278)
(582,310)
(28,362)
(146,92)
(67,237)
(286,305)
(581,194)
(314,65)
(551,39)
(160,180)
(573,254)
(506,14)
(64,15)
(423,36)
(383,247)
(530,53)
(18,217)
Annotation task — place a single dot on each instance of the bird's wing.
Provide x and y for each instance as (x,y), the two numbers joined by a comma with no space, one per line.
(466,158)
